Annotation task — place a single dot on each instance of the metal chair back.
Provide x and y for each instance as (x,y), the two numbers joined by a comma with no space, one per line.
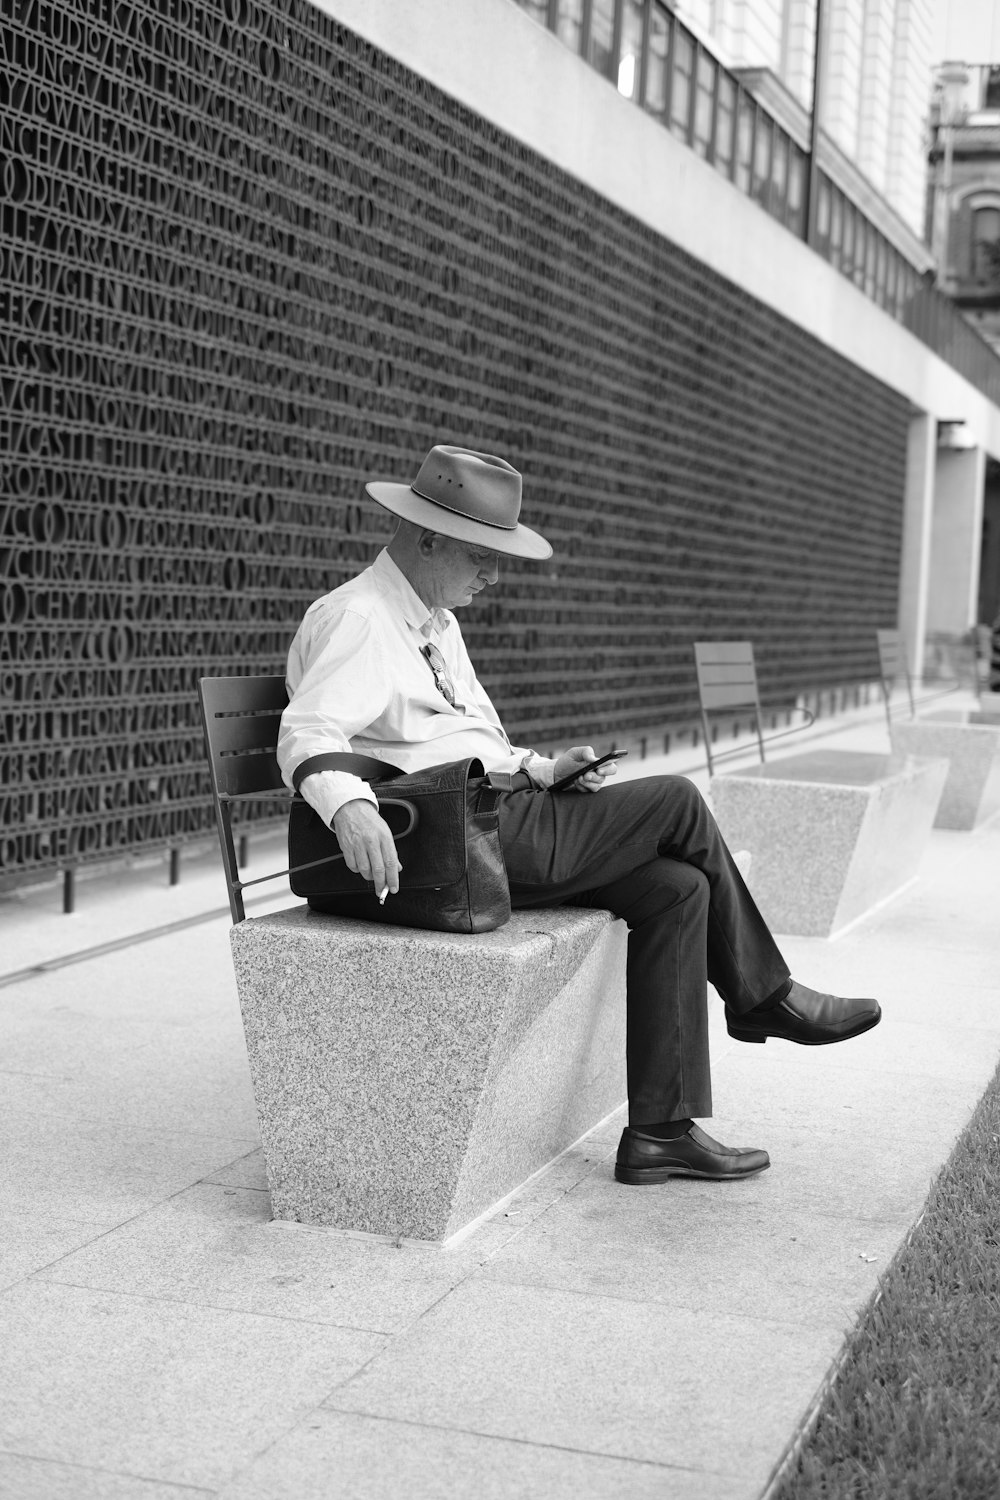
(727,683)
(241,717)
(893,663)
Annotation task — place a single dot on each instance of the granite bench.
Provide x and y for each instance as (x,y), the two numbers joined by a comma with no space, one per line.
(970,740)
(833,833)
(407,1081)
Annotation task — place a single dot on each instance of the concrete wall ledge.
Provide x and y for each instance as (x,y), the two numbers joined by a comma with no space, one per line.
(407,1081)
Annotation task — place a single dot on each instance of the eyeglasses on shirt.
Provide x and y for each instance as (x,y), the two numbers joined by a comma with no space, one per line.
(442,677)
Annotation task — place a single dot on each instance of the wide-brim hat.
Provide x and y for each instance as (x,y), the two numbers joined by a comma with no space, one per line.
(473,497)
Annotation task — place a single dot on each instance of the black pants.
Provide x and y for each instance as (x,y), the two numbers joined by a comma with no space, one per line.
(651,852)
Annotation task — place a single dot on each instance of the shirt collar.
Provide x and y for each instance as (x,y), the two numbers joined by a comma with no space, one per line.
(396,587)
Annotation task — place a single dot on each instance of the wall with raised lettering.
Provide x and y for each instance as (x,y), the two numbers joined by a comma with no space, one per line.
(250,261)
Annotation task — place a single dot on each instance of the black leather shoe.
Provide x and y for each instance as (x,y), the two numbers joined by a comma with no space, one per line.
(808,1017)
(645,1158)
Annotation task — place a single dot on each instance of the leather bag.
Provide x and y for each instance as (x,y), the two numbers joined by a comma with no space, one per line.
(446,824)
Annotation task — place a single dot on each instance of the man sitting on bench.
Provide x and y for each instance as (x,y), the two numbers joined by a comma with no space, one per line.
(379,667)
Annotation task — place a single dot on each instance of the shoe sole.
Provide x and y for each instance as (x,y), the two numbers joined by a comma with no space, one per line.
(646,1176)
(801,1041)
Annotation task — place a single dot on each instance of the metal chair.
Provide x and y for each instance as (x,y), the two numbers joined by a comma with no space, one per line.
(727,683)
(893,664)
(241,716)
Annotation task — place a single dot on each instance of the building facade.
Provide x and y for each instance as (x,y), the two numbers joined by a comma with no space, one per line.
(258,251)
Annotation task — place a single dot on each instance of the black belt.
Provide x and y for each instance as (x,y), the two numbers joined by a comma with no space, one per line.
(510,781)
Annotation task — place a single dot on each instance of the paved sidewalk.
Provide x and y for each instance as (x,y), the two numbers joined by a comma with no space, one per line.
(163,1339)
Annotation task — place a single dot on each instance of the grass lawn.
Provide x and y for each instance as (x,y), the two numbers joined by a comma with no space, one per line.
(912,1409)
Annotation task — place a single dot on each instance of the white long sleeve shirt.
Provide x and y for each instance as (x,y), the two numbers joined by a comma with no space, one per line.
(357,682)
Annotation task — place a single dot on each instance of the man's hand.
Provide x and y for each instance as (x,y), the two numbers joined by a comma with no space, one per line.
(591,781)
(366,840)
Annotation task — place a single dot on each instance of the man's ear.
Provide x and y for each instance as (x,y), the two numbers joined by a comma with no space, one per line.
(425,542)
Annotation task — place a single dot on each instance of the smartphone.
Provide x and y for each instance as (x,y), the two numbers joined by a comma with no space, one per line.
(557,786)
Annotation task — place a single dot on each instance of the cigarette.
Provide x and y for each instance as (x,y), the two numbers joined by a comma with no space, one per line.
(382,895)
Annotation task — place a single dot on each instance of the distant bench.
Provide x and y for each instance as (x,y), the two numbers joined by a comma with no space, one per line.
(970,739)
(407,1081)
(832,833)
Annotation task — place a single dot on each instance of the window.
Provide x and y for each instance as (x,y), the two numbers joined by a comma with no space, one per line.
(705,71)
(569,23)
(797,169)
(836,225)
(537,8)
(630,54)
(725,107)
(602,32)
(986,244)
(747,113)
(762,159)
(680,103)
(658,62)
(779,174)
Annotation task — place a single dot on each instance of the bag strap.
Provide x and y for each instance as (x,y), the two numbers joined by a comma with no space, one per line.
(365,766)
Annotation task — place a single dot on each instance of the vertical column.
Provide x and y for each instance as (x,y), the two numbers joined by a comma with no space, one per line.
(876,91)
(915,558)
(841,80)
(956,540)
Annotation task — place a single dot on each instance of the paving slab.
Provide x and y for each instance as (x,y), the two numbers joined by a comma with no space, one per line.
(31,1241)
(145,1386)
(59,1166)
(40,1479)
(371,1455)
(215,1247)
(596,1374)
(718,1254)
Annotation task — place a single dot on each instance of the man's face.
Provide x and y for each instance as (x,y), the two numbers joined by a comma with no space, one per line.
(458,571)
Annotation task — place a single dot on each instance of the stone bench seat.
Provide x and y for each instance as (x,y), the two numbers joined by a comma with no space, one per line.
(970,740)
(407,1081)
(832,833)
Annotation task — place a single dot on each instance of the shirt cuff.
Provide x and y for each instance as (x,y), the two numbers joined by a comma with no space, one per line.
(539,768)
(328,791)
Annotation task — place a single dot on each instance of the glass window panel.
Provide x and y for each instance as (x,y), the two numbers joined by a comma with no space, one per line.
(880,261)
(836,224)
(657,62)
(892,282)
(872,251)
(779,173)
(860,248)
(537,8)
(823,211)
(744,141)
(762,159)
(629,60)
(797,168)
(847,247)
(704,103)
(602,30)
(985,243)
(680,102)
(725,107)
(569,22)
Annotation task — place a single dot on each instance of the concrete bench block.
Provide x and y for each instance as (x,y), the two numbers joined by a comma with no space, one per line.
(833,833)
(406,1081)
(970,742)
(989,709)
